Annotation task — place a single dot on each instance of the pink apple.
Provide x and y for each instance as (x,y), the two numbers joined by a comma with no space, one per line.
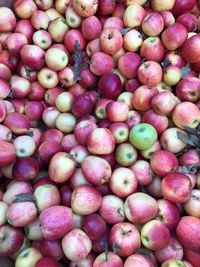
(94,226)
(187,90)
(25,168)
(108,259)
(15,42)
(166,107)
(124,238)
(190,49)
(68,142)
(5,72)
(76,245)
(7,153)
(143,172)
(96,170)
(111,209)
(191,207)
(152,49)
(123,182)
(56,221)
(101,63)
(94,25)
(28,257)
(140,208)
(85,200)
(138,260)
(153,24)
(61,167)
(7,19)
(117,111)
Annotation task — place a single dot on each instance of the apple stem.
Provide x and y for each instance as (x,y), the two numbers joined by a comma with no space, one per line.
(106,251)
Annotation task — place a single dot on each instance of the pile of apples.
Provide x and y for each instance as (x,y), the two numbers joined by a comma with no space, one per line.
(99,133)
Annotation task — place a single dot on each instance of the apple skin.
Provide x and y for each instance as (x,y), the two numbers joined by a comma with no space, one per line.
(163,162)
(32,56)
(24,9)
(133,16)
(109,259)
(96,170)
(76,245)
(152,49)
(56,221)
(93,47)
(187,232)
(168,213)
(182,7)
(123,182)
(150,73)
(132,40)
(18,123)
(57,30)
(11,240)
(28,257)
(5,72)
(111,209)
(181,117)
(187,89)
(120,132)
(140,208)
(176,187)
(125,154)
(8,19)
(173,250)
(50,248)
(163,108)
(48,78)
(173,262)
(77,179)
(100,141)
(83,129)
(129,63)
(85,200)
(155,235)
(192,257)
(191,207)
(138,260)
(24,169)
(85,8)
(3,210)
(117,111)
(14,42)
(125,236)
(40,20)
(61,167)
(161,6)
(110,40)
(7,153)
(71,36)
(190,49)
(101,63)
(190,157)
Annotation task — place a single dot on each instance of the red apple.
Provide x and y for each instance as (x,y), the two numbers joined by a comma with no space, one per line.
(7,19)
(7,153)
(187,89)
(94,226)
(150,73)
(152,49)
(32,56)
(101,63)
(153,24)
(110,41)
(25,169)
(133,16)
(108,259)
(85,8)
(47,262)
(117,111)
(138,260)
(190,49)
(182,7)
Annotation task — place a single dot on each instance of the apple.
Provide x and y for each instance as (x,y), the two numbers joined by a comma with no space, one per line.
(126,97)
(25,146)
(140,208)
(5,133)
(15,42)
(182,118)
(106,7)
(33,230)
(154,188)
(108,259)
(153,24)
(40,20)
(192,257)
(48,78)
(8,19)
(65,122)
(11,240)
(100,141)
(124,238)
(190,157)
(83,129)
(173,250)
(176,187)
(138,260)
(101,63)
(24,26)
(117,111)
(186,89)
(143,172)
(187,232)
(21,213)
(47,261)
(42,38)
(93,47)
(133,16)
(191,206)
(32,56)
(5,73)
(28,257)
(152,49)
(129,63)
(66,77)
(61,167)
(182,7)
(88,79)
(150,73)
(86,262)
(7,153)
(114,22)
(191,45)
(94,226)
(173,262)
(92,23)
(120,132)
(85,200)
(3,210)
(72,18)
(163,162)
(132,40)
(68,142)
(170,141)
(168,213)
(96,170)
(123,182)
(48,192)
(143,136)
(16,188)
(50,248)
(125,154)
(111,209)
(85,8)
(158,121)
(57,29)
(49,116)
(25,168)
(56,221)
(76,245)
(82,105)
(161,6)
(110,85)
(37,92)
(155,235)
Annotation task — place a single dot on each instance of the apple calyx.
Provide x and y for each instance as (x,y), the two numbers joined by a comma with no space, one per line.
(79,62)
(24,197)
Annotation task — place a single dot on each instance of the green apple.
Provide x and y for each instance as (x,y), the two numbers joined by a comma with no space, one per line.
(143,136)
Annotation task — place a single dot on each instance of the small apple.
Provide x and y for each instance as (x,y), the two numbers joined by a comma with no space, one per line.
(28,257)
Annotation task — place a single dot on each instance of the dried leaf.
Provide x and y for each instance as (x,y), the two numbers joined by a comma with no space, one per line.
(166,63)
(125,30)
(191,130)
(184,138)
(116,248)
(185,71)
(25,197)
(194,139)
